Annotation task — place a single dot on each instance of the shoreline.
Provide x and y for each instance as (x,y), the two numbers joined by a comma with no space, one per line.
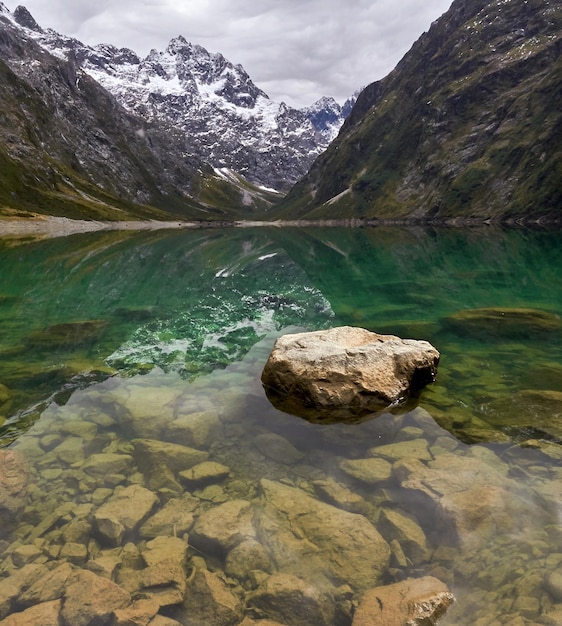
(51,226)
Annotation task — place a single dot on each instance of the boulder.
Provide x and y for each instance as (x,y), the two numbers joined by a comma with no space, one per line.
(14,478)
(123,512)
(396,525)
(277,448)
(317,541)
(163,582)
(204,474)
(509,323)
(208,600)
(370,471)
(343,372)
(292,601)
(221,528)
(161,461)
(48,587)
(175,518)
(45,614)
(247,556)
(472,501)
(140,612)
(416,602)
(91,599)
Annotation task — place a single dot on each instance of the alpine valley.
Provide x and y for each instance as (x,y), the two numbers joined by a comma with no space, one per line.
(88,130)
(467,127)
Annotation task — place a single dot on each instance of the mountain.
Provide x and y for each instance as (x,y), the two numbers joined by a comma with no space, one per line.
(229,121)
(468,125)
(68,148)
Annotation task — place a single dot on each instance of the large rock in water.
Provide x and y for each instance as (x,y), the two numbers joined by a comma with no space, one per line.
(416,602)
(344,372)
(14,478)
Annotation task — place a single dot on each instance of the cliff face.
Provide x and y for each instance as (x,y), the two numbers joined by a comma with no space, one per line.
(469,124)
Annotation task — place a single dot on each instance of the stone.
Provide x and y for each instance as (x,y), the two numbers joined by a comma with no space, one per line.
(175,518)
(163,582)
(139,613)
(77,531)
(91,599)
(414,449)
(396,525)
(14,479)
(222,527)
(99,465)
(247,556)
(161,461)
(145,411)
(13,586)
(412,602)
(165,549)
(66,336)
(45,614)
(76,553)
(70,451)
(494,322)
(369,471)
(161,620)
(340,496)
(208,600)
(123,512)
(471,500)
(204,474)
(337,373)
(50,586)
(305,536)
(197,430)
(553,584)
(104,566)
(290,600)
(25,554)
(277,448)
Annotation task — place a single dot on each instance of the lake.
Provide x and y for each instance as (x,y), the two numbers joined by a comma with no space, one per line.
(141,453)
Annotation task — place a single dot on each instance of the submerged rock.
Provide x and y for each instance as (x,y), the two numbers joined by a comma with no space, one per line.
(175,518)
(471,499)
(490,323)
(416,602)
(14,478)
(292,601)
(123,512)
(91,599)
(208,600)
(66,336)
(317,541)
(45,614)
(336,374)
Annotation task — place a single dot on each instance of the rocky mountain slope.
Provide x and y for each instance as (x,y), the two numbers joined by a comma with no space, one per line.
(67,147)
(230,122)
(469,124)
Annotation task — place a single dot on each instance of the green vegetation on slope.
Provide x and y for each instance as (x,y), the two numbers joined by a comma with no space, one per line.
(468,125)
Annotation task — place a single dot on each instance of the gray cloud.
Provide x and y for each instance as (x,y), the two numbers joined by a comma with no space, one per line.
(295,50)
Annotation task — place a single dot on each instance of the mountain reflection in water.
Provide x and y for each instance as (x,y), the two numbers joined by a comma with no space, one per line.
(130,378)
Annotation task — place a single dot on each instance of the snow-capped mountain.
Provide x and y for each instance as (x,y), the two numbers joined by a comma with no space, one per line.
(229,121)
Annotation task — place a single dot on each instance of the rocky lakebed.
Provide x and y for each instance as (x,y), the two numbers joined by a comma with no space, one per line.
(153,500)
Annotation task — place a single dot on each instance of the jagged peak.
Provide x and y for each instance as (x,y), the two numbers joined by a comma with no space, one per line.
(24,18)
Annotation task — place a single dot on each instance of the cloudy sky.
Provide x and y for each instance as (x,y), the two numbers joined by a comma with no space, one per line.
(295,50)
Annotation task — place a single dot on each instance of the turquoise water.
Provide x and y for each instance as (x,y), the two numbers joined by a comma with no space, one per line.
(106,339)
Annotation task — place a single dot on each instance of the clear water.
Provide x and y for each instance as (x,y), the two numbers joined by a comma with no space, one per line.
(108,338)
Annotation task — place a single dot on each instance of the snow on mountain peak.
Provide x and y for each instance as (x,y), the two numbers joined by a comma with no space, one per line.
(229,121)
